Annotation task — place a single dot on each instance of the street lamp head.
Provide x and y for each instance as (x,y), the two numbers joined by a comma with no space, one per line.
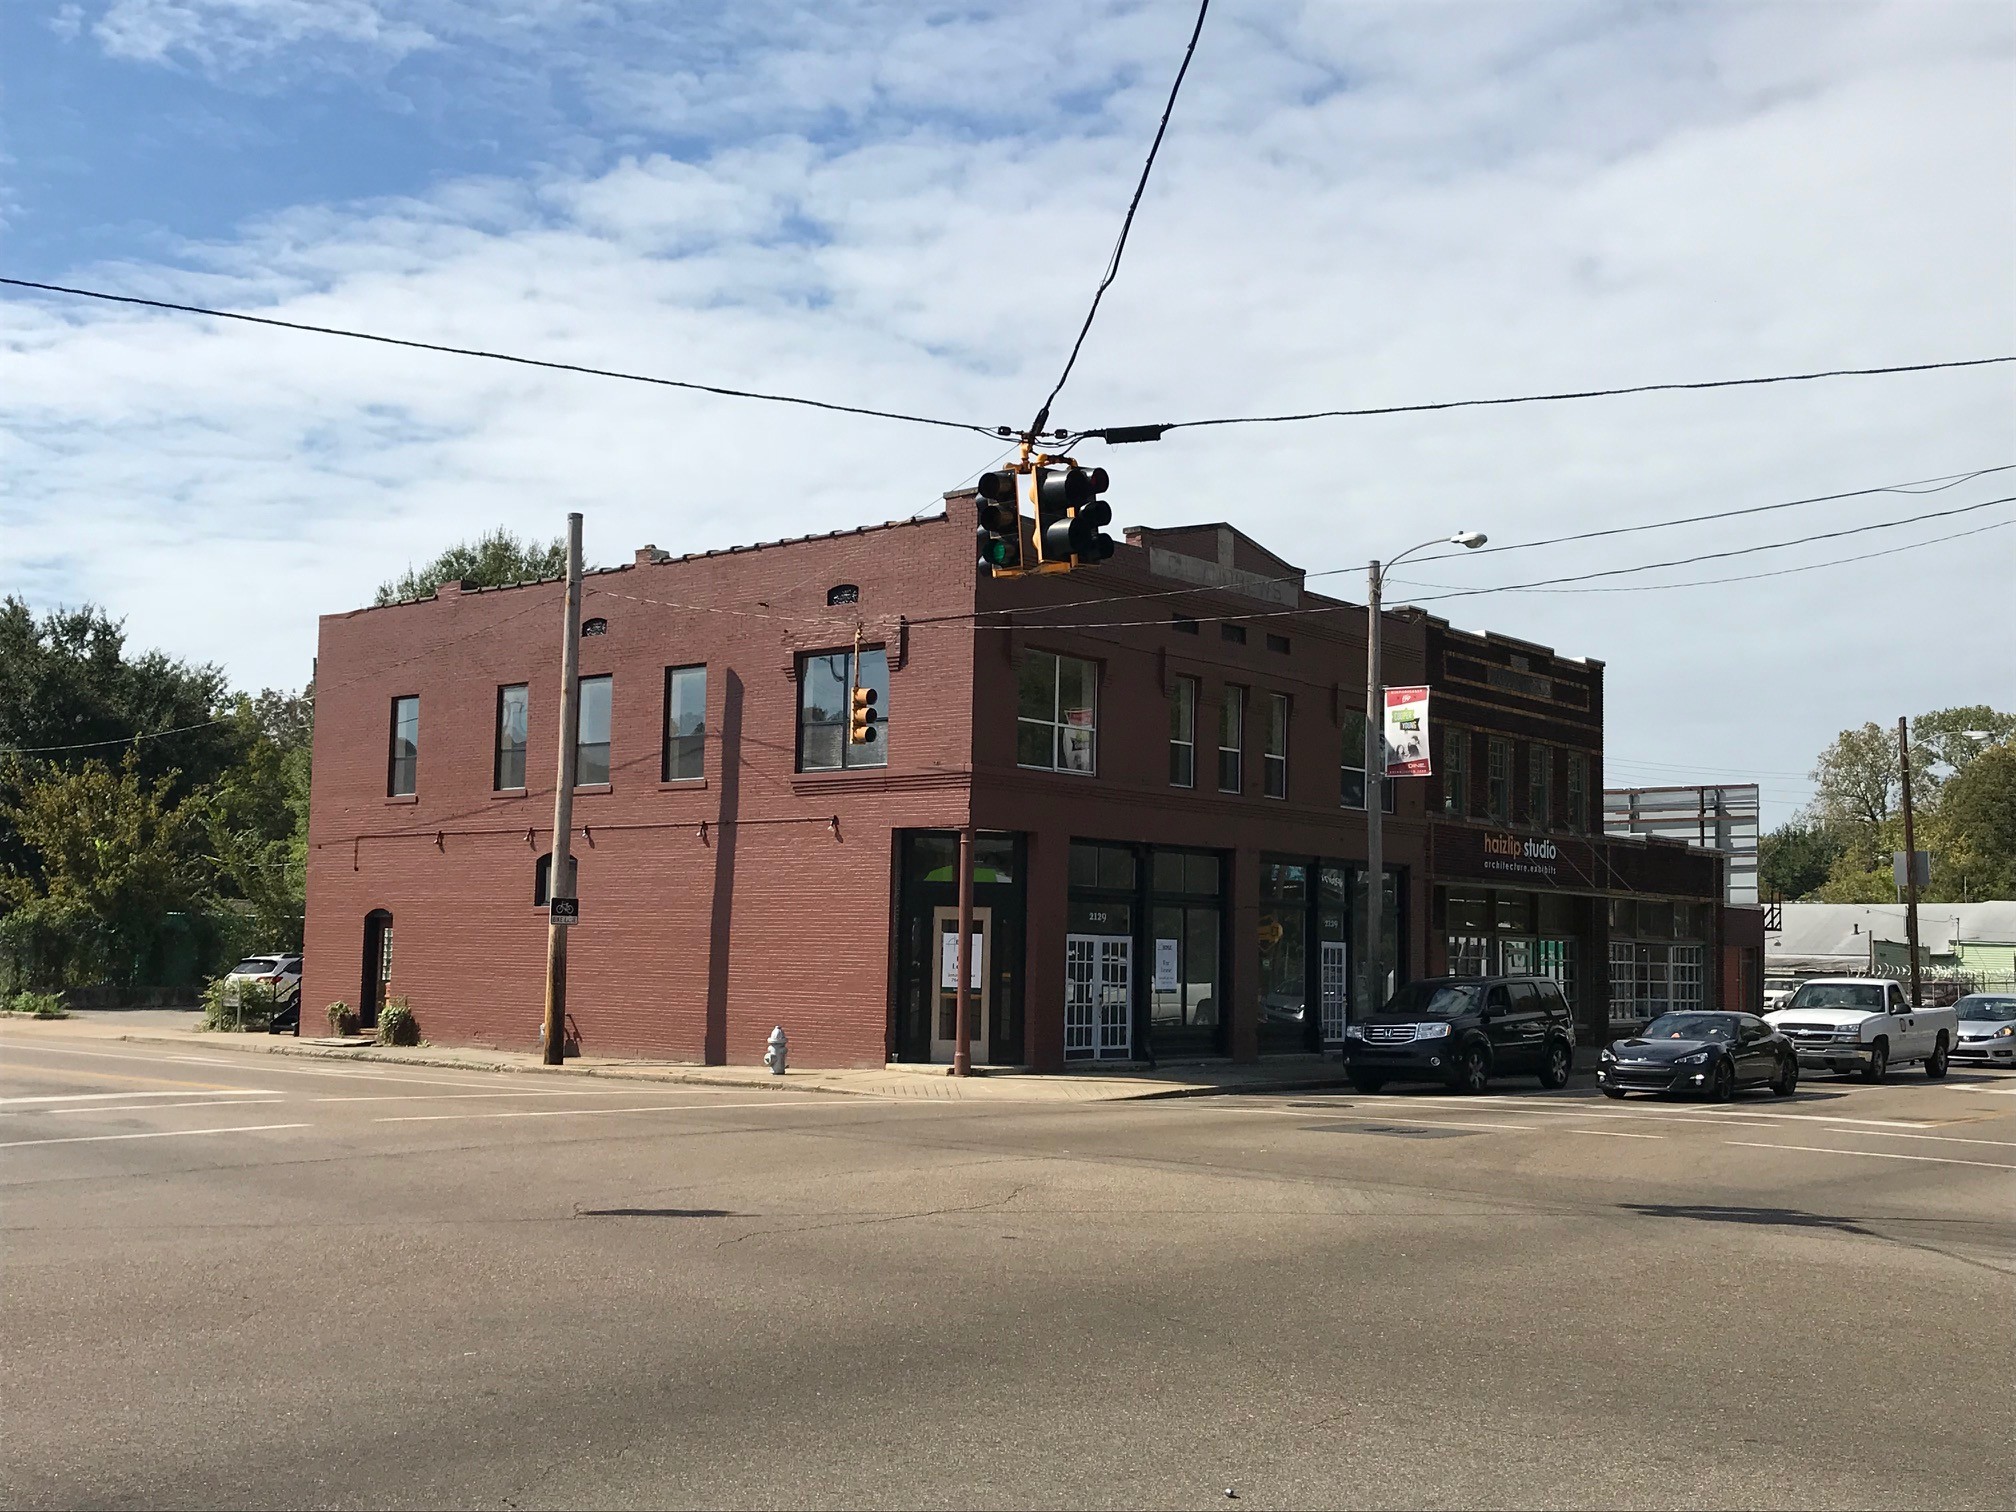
(1470,538)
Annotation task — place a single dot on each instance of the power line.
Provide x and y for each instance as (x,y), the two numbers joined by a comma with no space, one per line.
(534,362)
(1126,225)
(1604,393)
(1913,486)
(88,745)
(1716,556)
(1751,577)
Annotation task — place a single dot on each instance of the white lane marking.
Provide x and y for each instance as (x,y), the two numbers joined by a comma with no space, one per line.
(1562,1108)
(1613,1133)
(768,1102)
(227,1102)
(529,1092)
(1463,1107)
(1831,1118)
(73,1097)
(1988,1165)
(17,1144)
(12,1044)
(1991,1091)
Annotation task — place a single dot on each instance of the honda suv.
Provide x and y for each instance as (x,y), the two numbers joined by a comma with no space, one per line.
(1464,1031)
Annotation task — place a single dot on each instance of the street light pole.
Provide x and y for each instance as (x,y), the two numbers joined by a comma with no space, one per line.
(1375,764)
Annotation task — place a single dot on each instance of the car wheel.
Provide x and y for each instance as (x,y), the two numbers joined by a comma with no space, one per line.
(1936,1066)
(1879,1062)
(1786,1082)
(1555,1065)
(1473,1071)
(1614,1092)
(1722,1083)
(1367,1081)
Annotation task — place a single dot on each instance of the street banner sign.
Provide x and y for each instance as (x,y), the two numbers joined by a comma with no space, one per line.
(563,911)
(1407,733)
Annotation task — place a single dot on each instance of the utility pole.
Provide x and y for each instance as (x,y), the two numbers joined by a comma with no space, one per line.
(1910,858)
(962,1026)
(1375,799)
(560,873)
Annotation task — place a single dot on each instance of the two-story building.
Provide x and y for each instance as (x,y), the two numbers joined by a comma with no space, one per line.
(1160,760)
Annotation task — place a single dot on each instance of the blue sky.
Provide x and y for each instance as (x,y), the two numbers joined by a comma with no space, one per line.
(887,203)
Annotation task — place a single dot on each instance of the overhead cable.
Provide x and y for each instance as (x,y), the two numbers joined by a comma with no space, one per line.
(1126,225)
(490,356)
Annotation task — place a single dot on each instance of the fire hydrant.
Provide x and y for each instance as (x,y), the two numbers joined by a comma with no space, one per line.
(779,1048)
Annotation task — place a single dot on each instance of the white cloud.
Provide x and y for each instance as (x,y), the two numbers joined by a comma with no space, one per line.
(1355,206)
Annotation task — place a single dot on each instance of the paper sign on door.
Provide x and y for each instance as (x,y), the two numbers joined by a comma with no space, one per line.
(948,962)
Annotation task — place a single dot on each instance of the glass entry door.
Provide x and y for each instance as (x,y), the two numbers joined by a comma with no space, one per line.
(1334,979)
(1098,997)
(945,973)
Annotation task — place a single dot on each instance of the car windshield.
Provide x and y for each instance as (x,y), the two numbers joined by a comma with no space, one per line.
(255,966)
(1838,995)
(1433,1000)
(1690,1026)
(2000,1009)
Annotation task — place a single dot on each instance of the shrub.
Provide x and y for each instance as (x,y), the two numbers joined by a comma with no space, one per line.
(232,1006)
(342,1018)
(41,1005)
(396,1024)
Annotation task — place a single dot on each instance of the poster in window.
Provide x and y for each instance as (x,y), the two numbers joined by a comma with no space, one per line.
(1165,966)
(1407,733)
(948,960)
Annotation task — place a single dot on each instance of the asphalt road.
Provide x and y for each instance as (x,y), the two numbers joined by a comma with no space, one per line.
(261,1281)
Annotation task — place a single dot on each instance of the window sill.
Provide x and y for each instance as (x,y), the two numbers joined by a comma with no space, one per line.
(403,798)
(1024,766)
(683,785)
(509,793)
(589,789)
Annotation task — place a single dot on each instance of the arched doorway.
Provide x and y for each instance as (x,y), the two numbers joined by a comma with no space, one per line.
(377,967)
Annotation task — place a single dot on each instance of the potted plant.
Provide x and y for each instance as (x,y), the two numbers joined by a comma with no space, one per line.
(342,1019)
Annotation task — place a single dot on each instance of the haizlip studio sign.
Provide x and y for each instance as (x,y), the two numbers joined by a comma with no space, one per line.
(1524,858)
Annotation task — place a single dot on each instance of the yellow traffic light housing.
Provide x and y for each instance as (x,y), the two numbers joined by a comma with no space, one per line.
(863,718)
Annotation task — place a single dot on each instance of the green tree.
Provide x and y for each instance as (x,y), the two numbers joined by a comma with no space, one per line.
(1973,834)
(1795,858)
(257,821)
(1952,738)
(489,561)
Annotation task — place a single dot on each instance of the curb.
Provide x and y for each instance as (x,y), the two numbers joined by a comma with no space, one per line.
(243,1045)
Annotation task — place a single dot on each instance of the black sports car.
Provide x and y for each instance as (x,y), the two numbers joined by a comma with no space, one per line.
(1708,1055)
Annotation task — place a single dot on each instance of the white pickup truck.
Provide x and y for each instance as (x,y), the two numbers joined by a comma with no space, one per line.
(1864,1024)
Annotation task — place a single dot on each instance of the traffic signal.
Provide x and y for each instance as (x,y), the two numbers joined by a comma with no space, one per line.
(998,539)
(1070,516)
(861,724)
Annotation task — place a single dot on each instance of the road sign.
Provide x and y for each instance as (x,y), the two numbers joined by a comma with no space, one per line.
(563,910)
(1921,867)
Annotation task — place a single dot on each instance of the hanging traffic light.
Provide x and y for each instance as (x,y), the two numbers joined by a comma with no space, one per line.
(1070,516)
(998,540)
(861,724)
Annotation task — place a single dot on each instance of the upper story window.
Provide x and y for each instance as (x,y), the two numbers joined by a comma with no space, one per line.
(595,627)
(1057,707)
(591,741)
(843,593)
(1274,762)
(1498,780)
(1278,644)
(685,751)
(1539,785)
(1183,732)
(403,758)
(1456,772)
(1232,740)
(1183,623)
(826,684)
(514,713)
(1233,633)
(1352,764)
(1578,792)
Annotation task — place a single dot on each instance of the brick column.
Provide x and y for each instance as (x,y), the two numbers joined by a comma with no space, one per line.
(1240,988)
(1045,894)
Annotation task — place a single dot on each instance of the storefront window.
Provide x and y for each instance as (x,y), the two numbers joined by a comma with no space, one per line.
(1468,912)
(1366,998)
(1284,956)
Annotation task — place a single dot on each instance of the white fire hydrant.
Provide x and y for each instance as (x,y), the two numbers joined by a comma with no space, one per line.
(779,1048)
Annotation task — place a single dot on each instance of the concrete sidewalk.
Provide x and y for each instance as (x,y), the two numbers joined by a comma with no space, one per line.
(1276,1074)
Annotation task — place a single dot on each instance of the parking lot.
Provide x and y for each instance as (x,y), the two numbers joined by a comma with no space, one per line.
(260,1280)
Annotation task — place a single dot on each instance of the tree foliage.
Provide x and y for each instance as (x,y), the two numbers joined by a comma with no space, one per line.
(1795,858)
(489,561)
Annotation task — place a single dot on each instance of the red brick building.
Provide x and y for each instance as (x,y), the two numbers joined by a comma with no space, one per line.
(1159,758)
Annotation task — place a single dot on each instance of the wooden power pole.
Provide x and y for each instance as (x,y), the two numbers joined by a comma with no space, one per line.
(1910,858)
(560,869)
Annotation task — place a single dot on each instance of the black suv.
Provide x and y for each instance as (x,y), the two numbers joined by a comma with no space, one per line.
(1464,1031)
